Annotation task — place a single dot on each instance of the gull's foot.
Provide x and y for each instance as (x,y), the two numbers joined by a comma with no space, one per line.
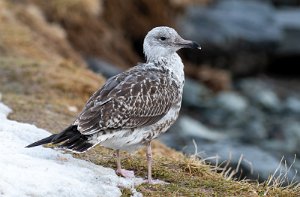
(156,181)
(125,173)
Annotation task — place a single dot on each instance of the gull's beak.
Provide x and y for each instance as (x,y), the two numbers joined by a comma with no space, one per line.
(182,43)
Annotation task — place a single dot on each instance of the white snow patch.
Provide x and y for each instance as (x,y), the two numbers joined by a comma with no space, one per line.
(46,172)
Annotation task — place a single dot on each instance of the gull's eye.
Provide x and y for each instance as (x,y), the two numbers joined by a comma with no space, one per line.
(162,38)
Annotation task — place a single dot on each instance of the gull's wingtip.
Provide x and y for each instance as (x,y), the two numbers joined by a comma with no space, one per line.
(41,142)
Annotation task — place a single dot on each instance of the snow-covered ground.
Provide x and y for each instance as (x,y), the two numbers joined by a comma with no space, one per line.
(46,172)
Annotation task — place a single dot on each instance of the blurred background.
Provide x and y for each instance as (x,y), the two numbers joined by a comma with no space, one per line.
(242,93)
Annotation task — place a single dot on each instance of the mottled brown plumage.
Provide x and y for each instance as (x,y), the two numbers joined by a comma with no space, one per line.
(139,97)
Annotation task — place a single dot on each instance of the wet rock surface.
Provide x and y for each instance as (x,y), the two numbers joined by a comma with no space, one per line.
(244,36)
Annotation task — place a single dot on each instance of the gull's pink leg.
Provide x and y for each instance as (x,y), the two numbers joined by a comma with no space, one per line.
(149,164)
(120,171)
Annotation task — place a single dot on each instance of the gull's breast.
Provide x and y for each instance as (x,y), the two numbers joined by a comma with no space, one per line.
(131,139)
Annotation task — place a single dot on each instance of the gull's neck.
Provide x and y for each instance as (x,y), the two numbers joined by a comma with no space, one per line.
(171,62)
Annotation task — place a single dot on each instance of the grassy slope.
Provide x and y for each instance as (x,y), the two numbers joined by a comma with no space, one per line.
(40,83)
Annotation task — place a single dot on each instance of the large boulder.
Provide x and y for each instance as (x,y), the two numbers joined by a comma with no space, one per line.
(228,23)
(237,34)
(246,36)
(247,160)
(289,21)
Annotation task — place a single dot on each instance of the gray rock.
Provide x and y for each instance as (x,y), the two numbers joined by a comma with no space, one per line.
(231,101)
(230,21)
(235,34)
(261,94)
(242,35)
(289,21)
(292,104)
(100,66)
(255,163)
(226,110)
(195,94)
(186,129)
(267,99)
(253,131)
(292,135)
(194,129)
(232,111)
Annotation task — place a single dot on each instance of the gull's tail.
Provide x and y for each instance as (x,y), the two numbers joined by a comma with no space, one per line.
(70,139)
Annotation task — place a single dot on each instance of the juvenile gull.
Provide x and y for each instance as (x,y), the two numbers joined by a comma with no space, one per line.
(133,107)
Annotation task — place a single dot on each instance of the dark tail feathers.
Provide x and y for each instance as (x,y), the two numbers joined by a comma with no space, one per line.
(70,139)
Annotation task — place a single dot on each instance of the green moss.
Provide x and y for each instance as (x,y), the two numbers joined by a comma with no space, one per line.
(126,192)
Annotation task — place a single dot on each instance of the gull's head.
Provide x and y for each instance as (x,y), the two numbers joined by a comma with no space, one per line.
(164,41)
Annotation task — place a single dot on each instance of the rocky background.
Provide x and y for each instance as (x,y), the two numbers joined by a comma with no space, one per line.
(251,111)
(241,99)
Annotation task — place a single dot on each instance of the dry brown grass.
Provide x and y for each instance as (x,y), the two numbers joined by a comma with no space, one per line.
(108,34)
(40,74)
